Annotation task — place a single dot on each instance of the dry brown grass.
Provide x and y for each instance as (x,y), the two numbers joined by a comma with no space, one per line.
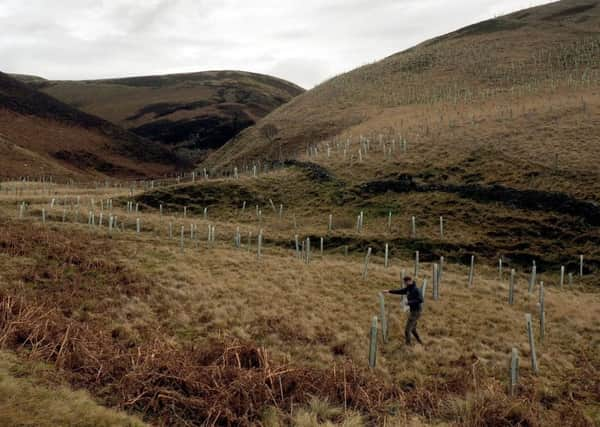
(215,335)
(176,326)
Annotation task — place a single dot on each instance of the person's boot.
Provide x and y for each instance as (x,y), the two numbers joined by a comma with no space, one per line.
(418,338)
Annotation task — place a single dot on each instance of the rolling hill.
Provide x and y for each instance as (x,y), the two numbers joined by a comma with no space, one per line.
(495,127)
(40,135)
(520,89)
(193,113)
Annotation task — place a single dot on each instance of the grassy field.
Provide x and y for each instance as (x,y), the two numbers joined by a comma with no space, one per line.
(217,335)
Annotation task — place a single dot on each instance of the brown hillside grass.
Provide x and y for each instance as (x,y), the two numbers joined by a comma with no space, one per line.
(215,336)
(36,147)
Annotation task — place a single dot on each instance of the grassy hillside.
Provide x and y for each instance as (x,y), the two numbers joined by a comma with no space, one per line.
(522,87)
(40,135)
(216,334)
(494,127)
(194,113)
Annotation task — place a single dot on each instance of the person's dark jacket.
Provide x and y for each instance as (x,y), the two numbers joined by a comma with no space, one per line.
(413,295)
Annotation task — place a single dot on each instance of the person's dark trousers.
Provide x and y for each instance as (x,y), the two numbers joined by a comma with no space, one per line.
(411,327)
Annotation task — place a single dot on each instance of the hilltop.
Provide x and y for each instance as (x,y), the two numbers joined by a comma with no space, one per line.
(521,87)
(193,113)
(40,135)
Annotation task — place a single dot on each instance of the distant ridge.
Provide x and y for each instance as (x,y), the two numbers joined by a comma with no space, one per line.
(81,142)
(192,113)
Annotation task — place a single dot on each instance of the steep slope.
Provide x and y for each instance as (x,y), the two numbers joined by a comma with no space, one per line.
(520,90)
(495,128)
(41,135)
(191,112)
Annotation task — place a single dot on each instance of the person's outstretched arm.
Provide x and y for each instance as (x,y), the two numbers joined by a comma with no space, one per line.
(402,291)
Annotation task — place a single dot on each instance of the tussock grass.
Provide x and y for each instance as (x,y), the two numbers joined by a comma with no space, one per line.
(27,400)
(218,316)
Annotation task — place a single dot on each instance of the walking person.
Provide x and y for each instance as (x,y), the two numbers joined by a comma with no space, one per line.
(415,302)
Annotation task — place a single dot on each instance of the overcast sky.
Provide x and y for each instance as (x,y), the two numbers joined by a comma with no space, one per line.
(305,41)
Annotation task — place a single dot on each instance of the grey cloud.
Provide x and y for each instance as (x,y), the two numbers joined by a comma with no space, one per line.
(305,42)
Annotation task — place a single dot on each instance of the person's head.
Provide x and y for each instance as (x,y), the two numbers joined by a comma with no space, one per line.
(408,281)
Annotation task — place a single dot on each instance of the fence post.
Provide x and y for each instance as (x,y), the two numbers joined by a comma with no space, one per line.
(386,259)
(435,282)
(533,278)
(416,264)
(514,371)
(580,265)
(534,363)
(413,232)
(330,226)
(366,269)
(471,271)
(562,276)
(260,239)
(500,268)
(373,343)
(441,227)
(542,313)
(383,314)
